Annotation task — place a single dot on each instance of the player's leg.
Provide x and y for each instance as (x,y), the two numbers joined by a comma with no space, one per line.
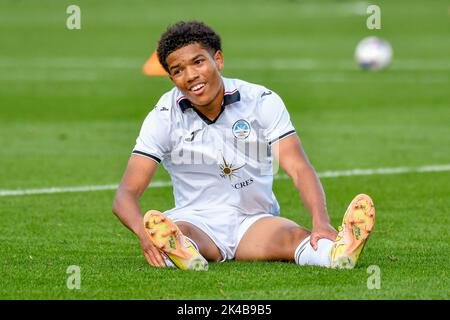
(204,244)
(275,238)
(271,238)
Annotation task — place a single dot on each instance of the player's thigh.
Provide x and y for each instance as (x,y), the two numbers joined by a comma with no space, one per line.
(271,238)
(206,246)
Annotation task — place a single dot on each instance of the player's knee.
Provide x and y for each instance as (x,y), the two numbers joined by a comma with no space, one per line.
(285,244)
(185,229)
(206,246)
(299,234)
(294,237)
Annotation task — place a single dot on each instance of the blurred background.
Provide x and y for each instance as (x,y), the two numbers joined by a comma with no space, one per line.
(72,103)
(73,100)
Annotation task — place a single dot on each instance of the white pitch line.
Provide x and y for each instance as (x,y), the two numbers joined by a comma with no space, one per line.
(162,184)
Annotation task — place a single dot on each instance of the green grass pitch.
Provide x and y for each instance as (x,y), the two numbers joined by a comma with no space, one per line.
(71,106)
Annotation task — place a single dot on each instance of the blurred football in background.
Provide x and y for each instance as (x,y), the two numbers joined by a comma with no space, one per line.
(373,53)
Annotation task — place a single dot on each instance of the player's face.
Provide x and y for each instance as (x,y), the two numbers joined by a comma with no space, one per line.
(197,74)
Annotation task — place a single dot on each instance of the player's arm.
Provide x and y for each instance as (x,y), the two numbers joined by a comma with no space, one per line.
(137,176)
(295,163)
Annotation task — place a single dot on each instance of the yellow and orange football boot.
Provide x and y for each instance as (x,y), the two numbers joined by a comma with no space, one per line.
(167,237)
(358,223)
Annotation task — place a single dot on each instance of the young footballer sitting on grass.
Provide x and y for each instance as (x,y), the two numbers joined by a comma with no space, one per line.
(217,138)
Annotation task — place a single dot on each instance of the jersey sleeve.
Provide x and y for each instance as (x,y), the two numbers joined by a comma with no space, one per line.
(154,138)
(275,117)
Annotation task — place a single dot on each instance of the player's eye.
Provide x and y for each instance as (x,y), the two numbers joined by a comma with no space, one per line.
(198,61)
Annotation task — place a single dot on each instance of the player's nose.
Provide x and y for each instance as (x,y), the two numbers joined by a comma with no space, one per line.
(191,75)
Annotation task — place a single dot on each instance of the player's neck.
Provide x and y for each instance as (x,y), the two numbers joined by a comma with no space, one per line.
(212,109)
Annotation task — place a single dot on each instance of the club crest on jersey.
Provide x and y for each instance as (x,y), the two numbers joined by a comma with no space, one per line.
(241,129)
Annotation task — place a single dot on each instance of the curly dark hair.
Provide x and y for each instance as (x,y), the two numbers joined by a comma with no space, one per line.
(184,33)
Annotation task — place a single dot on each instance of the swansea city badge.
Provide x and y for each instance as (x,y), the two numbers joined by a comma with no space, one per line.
(241,129)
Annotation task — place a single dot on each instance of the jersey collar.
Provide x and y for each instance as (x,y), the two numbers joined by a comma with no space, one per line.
(231,95)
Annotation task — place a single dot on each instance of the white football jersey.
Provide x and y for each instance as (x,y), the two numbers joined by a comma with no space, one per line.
(223,164)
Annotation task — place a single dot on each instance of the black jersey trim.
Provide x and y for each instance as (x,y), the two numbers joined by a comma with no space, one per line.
(147,155)
(228,98)
(282,136)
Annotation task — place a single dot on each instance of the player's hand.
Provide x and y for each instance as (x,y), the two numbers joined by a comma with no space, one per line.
(151,253)
(322,231)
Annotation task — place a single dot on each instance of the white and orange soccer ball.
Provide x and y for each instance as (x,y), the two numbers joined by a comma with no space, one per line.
(373,53)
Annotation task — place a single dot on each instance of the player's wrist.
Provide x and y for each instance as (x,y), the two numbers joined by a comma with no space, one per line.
(139,232)
(322,220)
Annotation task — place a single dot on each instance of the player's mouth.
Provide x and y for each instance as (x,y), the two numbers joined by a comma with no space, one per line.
(198,89)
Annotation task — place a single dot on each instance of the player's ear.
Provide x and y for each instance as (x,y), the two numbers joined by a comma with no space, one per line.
(218,58)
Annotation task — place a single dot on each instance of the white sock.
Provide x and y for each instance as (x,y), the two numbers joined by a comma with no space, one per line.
(305,255)
(167,261)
